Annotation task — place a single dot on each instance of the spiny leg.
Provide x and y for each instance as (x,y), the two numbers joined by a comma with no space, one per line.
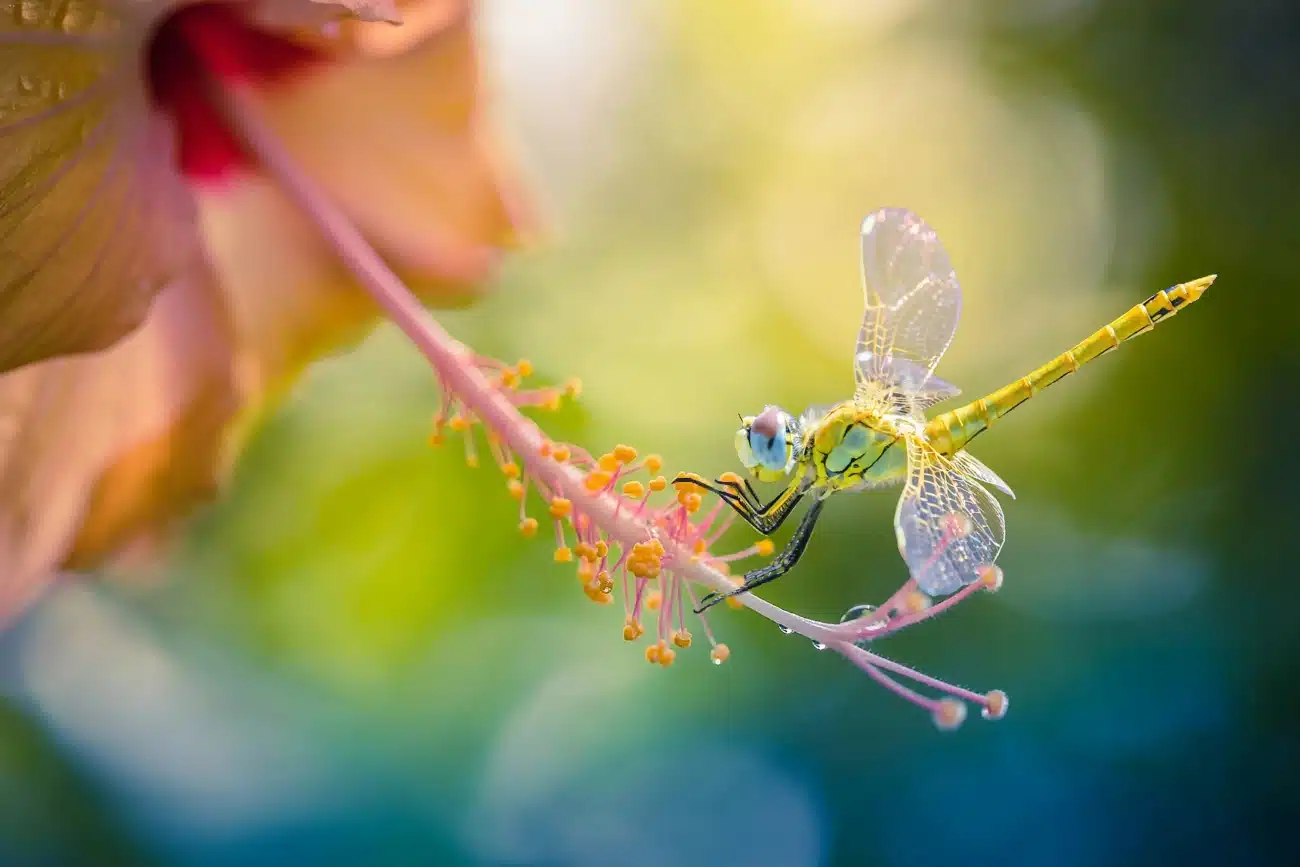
(783,563)
(766,519)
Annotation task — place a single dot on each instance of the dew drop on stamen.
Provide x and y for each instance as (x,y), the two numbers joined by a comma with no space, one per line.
(784,629)
(817,645)
(857,612)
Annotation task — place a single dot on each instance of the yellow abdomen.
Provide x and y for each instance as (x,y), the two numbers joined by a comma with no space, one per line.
(952,431)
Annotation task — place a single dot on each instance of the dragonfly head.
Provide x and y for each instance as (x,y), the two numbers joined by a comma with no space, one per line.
(766,443)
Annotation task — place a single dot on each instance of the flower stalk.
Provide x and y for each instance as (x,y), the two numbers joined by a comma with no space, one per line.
(660,551)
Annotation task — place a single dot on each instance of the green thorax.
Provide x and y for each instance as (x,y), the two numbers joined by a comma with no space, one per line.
(852,447)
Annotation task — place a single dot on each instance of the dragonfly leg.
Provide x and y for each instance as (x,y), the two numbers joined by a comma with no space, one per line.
(767,518)
(783,563)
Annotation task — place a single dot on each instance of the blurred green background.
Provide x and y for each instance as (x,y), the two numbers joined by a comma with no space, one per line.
(356,660)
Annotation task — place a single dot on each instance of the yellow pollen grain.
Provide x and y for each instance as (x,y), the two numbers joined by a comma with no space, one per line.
(764,547)
(634,490)
(560,507)
(596,480)
(626,454)
(915,602)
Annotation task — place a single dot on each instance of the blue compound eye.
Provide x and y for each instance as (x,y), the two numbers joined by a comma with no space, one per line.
(769,440)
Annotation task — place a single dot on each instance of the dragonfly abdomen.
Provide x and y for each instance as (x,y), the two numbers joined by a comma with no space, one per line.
(952,431)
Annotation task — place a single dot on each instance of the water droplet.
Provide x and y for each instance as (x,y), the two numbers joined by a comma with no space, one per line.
(856,612)
(817,645)
(787,630)
(715,660)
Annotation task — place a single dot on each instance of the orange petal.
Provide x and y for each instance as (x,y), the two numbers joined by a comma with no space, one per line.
(289,297)
(93,220)
(99,449)
(400,144)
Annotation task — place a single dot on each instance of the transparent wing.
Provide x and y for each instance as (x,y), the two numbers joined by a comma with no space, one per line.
(948,525)
(913,302)
(969,465)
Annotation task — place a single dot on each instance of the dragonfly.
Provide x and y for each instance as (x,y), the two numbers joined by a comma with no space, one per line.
(949,527)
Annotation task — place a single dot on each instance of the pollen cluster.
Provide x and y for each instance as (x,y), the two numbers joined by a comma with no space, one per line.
(639,571)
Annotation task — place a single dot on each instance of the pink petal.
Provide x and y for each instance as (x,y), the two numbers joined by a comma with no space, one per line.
(99,449)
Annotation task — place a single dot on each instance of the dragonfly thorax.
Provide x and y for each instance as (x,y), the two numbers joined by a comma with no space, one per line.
(851,448)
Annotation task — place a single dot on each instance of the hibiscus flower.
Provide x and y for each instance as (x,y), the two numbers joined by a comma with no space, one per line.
(155,280)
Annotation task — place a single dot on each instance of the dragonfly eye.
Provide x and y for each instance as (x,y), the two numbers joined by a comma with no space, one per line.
(764,443)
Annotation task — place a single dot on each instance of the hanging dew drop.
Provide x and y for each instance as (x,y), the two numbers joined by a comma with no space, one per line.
(817,645)
(785,629)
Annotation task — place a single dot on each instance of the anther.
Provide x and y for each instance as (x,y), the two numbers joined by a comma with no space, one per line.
(560,507)
(458,423)
(560,453)
(624,454)
(511,469)
(915,602)
(634,490)
(563,554)
(990,577)
(596,480)
(658,483)
(719,654)
(525,367)
(528,526)
(949,714)
(996,708)
(515,488)
(608,462)
(764,547)
(653,463)
(682,638)
(957,525)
